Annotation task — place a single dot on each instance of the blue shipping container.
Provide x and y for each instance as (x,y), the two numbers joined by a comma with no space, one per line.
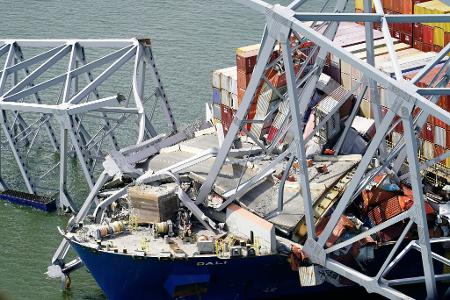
(216,96)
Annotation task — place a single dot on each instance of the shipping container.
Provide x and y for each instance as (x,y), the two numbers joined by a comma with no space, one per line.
(226,77)
(417,45)
(217,113)
(246,58)
(227,117)
(396,137)
(427,132)
(388,4)
(234,101)
(427,47)
(216,79)
(225,97)
(438,151)
(437,48)
(438,36)
(447,138)
(216,96)
(243,79)
(440,136)
(406,38)
(427,34)
(427,150)
(417,32)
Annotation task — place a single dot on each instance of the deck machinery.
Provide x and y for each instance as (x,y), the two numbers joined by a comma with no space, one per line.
(283,22)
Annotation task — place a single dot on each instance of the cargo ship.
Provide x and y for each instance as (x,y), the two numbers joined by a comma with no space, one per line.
(156,234)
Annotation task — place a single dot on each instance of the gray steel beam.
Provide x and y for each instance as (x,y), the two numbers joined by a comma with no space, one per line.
(95,43)
(302,173)
(374,96)
(102,77)
(371,17)
(418,214)
(39,71)
(162,93)
(33,60)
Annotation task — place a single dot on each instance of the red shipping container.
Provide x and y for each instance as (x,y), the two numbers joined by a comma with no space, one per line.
(438,150)
(243,79)
(444,102)
(427,34)
(246,63)
(417,31)
(227,117)
(427,47)
(241,93)
(447,139)
(417,45)
(427,132)
(407,28)
(397,26)
(272,133)
(406,38)
(437,48)
(396,34)
(439,122)
(399,127)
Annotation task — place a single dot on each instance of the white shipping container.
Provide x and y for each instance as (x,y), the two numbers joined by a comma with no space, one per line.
(233,89)
(216,79)
(387,97)
(440,136)
(396,137)
(427,150)
(225,97)
(226,78)
(234,101)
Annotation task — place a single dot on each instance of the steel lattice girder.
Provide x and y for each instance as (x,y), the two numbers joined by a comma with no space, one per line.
(74,102)
(281,22)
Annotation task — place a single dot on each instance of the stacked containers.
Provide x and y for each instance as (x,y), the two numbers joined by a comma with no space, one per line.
(431,36)
(404,32)
(435,134)
(245,62)
(224,96)
(349,34)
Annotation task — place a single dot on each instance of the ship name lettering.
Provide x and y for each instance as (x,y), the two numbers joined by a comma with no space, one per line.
(210,263)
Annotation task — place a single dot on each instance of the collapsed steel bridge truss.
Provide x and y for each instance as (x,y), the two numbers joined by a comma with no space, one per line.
(58,101)
(284,22)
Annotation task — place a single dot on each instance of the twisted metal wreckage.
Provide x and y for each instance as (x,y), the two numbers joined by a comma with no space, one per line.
(57,83)
(282,23)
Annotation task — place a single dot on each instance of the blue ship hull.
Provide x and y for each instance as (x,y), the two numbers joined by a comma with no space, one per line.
(126,277)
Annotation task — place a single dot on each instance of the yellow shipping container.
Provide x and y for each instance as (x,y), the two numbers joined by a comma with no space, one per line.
(438,36)
(447,162)
(246,49)
(359,4)
(433,7)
